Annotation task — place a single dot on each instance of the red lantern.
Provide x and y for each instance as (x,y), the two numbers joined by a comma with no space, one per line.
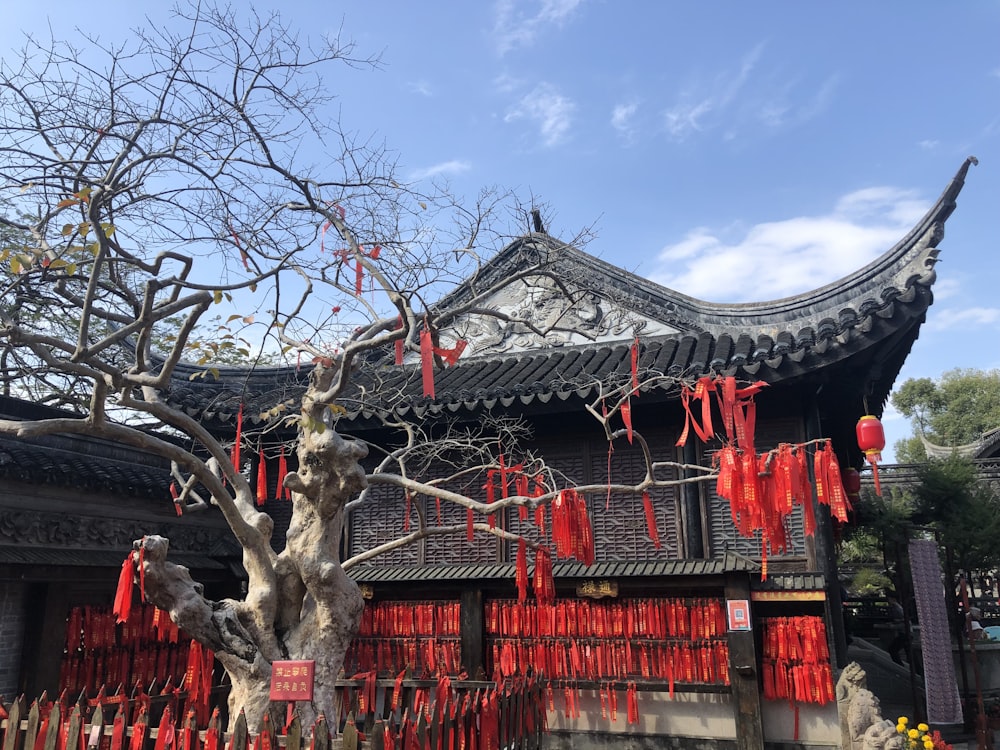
(852,482)
(871,440)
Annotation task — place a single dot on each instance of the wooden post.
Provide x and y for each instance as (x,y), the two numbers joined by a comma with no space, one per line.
(472,632)
(743,673)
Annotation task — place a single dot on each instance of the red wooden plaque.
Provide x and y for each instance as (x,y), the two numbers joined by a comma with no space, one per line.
(292,680)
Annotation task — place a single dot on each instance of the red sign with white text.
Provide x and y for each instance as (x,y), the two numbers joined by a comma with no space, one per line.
(739,614)
(292,680)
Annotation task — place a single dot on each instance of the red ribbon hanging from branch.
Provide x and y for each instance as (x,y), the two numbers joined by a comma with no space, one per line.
(234,455)
(398,343)
(280,489)
(521,571)
(647,504)
(123,594)
(261,477)
(243,255)
(427,362)
(627,417)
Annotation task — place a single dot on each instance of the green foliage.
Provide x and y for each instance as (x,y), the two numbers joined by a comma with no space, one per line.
(964,511)
(954,410)
(910,450)
(870,582)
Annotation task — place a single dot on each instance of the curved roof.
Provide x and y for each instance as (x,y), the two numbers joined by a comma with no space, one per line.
(985,447)
(871,316)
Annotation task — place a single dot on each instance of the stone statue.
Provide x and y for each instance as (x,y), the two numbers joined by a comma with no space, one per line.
(861,724)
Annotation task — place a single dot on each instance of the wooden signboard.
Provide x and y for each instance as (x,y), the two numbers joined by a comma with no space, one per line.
(292,680)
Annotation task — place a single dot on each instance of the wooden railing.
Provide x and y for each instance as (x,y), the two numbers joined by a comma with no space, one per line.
(382,714)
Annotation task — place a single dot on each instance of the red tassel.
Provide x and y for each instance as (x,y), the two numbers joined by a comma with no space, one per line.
(521,571)
(261,478)
(651,519)
(627,417)
(123,594)
(280,489)
(359,275)
(427,362)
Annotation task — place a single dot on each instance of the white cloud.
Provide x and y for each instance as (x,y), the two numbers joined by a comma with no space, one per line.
(622,119)
(963,320)
(781,258)
(746,96)
(421,87)
(452,167)
(517,24)
(550,110)
(688,115)
(928,144)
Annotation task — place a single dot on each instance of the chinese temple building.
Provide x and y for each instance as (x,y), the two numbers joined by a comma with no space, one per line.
(674,620)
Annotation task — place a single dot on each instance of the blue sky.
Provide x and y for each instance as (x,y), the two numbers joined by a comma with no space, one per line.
(733,151)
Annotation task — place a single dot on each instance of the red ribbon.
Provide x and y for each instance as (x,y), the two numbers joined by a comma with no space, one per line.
(261,478)
(123,594)
(654,535)
(521,571)
(427,362)
(234,455)
(280,489)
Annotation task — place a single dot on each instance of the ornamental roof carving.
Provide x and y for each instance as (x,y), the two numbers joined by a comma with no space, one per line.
(869,319)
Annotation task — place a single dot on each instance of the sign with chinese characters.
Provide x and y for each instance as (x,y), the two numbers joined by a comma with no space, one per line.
(597,589)
(292,680)
(739,614)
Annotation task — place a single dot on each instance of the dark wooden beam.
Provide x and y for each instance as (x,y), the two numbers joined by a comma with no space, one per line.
(743,670)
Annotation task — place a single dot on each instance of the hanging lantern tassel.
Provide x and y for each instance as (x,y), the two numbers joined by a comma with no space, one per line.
(261,478)
(521,571)
(871,440)
(647,504)
(123,594)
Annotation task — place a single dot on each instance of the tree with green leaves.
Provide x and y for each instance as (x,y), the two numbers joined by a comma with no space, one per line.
(955,410)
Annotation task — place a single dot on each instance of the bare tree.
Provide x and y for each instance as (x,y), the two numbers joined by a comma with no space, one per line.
(144,183)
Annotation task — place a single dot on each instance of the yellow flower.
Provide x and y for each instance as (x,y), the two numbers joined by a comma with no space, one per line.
(922,727)
(901,728)
(913,734)
(902,720)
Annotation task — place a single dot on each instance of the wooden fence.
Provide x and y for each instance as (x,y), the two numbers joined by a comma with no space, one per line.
(399,714)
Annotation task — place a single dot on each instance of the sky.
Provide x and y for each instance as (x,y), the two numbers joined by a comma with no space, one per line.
(731,151)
